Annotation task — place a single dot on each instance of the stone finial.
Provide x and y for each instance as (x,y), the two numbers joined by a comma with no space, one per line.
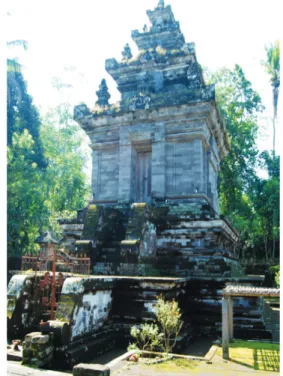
(102,94)
(127,53)
(161,4)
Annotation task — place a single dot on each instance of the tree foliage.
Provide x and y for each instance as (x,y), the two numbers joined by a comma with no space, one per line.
(239,105)
(45,168)
(25,196)
(249,201)
(65,180)
(22,114)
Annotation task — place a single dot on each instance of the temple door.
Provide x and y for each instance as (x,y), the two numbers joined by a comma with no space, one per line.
(143,176)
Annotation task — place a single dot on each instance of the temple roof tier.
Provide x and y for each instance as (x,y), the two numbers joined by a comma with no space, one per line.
(164,31)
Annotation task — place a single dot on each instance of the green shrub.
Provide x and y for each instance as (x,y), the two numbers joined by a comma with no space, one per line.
(163,335)
(147,337)
(169,317)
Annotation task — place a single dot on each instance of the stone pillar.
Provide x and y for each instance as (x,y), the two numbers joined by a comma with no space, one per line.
(231,333)
(125,162)
(95,177)
(158,162)
(225,328)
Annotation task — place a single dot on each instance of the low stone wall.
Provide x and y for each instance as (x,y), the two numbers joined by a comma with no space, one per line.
(23,305)
(95,314)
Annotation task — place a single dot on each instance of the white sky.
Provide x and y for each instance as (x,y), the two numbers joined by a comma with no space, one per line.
(85,33)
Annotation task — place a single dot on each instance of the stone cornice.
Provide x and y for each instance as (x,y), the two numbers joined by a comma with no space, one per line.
(213,223)
(187,112)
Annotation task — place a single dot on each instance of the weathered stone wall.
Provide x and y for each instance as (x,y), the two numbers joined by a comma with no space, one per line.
(181,144)
(183,168)
(133,300)
(105,175)
(95,314)
(23,305)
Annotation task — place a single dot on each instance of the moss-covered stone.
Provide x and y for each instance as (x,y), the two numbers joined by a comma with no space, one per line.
(91,222)
(91,370)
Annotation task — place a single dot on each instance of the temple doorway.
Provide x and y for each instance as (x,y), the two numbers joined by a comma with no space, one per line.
(143,176)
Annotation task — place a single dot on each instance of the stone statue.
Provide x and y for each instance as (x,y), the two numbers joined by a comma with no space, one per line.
(139,101)
(127,53)
(102,94)
(80,111)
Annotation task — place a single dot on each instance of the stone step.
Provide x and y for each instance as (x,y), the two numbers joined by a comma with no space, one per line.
(85,351)
(252,334)
(137,217)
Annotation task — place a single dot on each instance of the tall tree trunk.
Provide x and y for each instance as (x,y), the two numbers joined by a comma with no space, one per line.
(275,104)
(273,238)
(274,130)
(275,90)
(266,248)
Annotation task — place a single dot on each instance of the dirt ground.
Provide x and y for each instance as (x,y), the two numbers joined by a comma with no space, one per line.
(217,367)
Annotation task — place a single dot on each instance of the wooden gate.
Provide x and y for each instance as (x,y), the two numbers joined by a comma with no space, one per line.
(76,265)
(49,285)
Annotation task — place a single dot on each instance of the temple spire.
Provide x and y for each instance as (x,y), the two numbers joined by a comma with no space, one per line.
(103,94)
(164,30)
(160,5)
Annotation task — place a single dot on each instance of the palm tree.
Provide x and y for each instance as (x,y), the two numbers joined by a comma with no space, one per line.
(12,64)
(272,67)
(14,67)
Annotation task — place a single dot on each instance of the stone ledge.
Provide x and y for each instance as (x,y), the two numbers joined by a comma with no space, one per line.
(91,370)
(211,224)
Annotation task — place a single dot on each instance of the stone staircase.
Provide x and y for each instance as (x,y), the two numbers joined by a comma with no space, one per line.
(188,246)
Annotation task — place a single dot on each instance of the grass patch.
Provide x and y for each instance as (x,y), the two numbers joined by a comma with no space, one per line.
(272,299)
(256,355)
(175,365)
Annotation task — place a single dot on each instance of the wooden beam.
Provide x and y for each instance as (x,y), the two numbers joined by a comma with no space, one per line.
(257,295)
(225,328)
(230,314)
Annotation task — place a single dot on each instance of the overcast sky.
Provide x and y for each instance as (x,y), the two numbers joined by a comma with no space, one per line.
(84,33)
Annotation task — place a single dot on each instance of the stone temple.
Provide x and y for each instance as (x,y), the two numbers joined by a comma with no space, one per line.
(155,159)
(153,226)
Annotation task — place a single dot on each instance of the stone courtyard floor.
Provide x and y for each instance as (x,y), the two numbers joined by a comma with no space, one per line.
(171,368)
(247,358)
(218,367)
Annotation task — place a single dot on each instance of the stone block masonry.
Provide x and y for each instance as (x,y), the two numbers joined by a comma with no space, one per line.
(166,112)
(91,370)
(38,349)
